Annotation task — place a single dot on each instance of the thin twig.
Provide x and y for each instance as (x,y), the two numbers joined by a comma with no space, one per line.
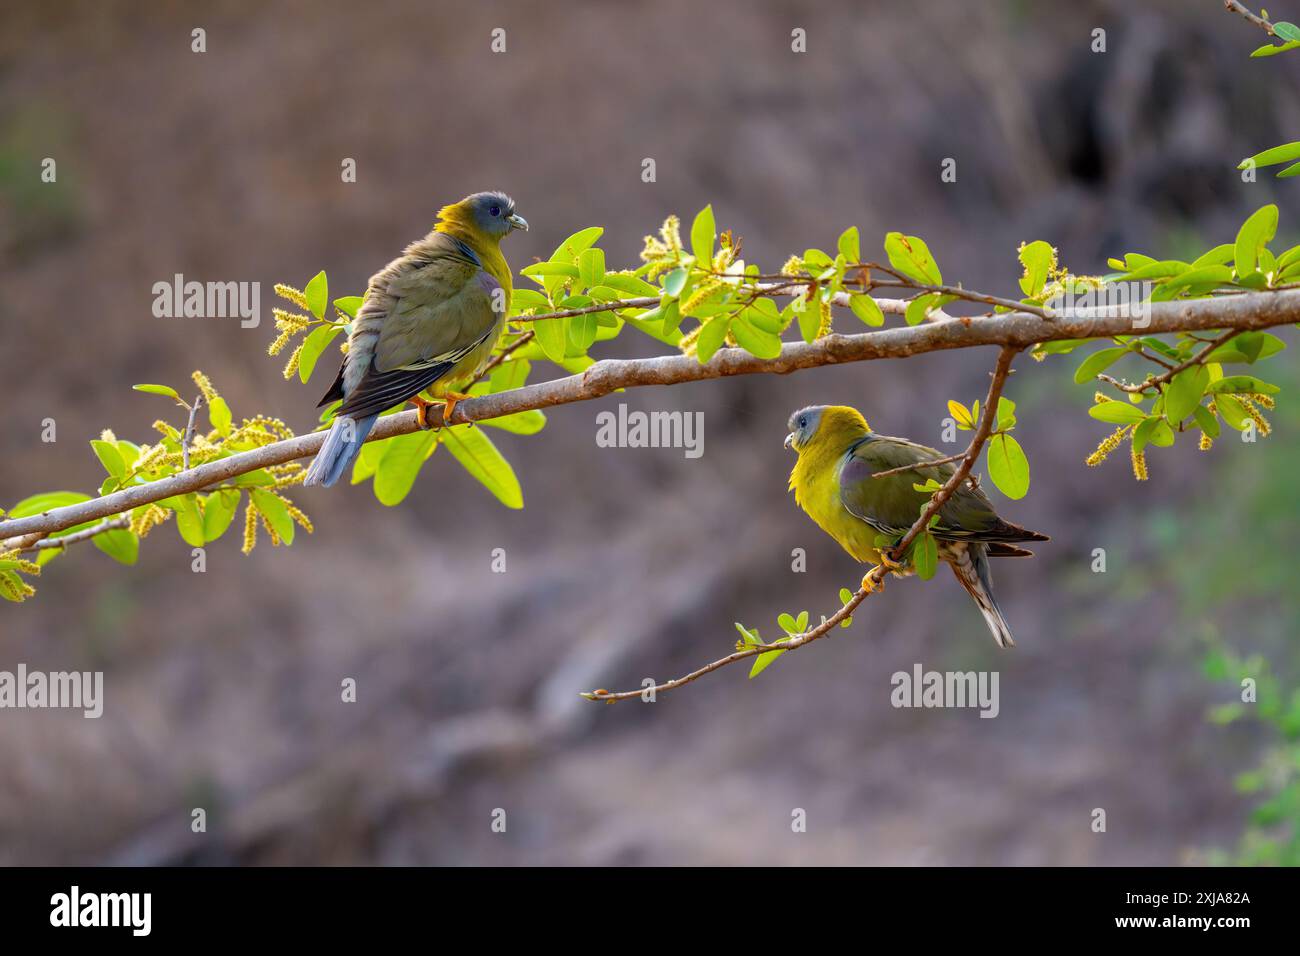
(920,464)
(1232,6)
(189,432)
(85,534)
(875,576)
(1019,330)
(1155,381)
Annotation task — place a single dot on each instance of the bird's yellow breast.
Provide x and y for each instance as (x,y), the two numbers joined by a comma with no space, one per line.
(815,481)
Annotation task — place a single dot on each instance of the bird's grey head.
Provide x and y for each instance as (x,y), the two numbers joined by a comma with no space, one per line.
(803,425)
(494,213)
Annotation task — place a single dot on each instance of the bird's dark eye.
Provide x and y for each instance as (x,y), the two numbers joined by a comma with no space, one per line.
(495,210)
(803,421)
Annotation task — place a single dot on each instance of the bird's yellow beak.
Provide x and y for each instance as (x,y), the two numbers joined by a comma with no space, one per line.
(789,440)
(518,222)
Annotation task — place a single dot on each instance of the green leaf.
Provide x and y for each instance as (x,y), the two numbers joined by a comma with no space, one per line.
(1008,466)
(109,457)
(539,270)
(1220,255)
(1098,361)
(550,335)
(1154,430)
(1038,258)
(866,309)
(582,330)
(591,267)
(850,246)
(920,307)
(524,300)
(1208,422)
(1287,152)
(276,513)
(1244,385)
(808,313)
(397,470)
(158,390)
(711,337)
(925,556)
(1184,392)
(189,520)
(119,544)
(218,512)
(756,341)
(313,346)
(509,375)
(46,501)
(1117,413)
(1232,411)
(349,304)
(1269,49)
(1287,31)
(911,256)
(520,423)
(675,281)
(1006,413)
(703,232)
(219,415)
(317,293)
(571,248)
(1255,233)
(476,453)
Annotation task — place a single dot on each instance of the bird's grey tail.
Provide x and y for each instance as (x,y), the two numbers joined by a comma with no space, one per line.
(342,445)
(971,565)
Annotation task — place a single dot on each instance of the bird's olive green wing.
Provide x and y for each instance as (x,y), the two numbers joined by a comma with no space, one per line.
(438,310)
(890,504)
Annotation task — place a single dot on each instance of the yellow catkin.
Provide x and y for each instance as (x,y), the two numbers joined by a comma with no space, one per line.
(1098,398)
(1263,401)
(290,321)
(1108,445)
(1139,463)
(297,515)
(292,294)
(702,292)
(824,327)
(291,366)
(107,435)
(145,519)
(278,344)
(1206,442)
(15,587)
(205,386)
(671,233)
(270,530)
(250,528)
(793,267)
(1261,423)
(23,565)
(150,455)
(690,340)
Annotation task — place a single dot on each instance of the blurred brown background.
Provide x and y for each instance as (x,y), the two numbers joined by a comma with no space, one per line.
(222,690)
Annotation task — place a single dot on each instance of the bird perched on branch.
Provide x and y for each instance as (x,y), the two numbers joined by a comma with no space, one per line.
(833,481)
(430,320)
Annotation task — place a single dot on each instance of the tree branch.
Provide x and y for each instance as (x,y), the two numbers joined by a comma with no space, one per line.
(874,579)
(1232,6)
(1018,330)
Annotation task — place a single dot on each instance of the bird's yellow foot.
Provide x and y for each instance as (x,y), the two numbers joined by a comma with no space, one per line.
(421,410)
(870,584)
(449,405)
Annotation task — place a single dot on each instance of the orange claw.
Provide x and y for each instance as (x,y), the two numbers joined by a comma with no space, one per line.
(421,410)
(451,399)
